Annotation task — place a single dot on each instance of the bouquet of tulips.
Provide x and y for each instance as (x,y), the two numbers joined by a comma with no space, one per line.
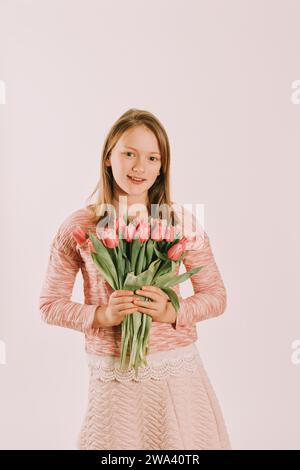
(130,255)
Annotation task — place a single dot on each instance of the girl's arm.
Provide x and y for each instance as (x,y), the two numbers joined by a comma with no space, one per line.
(209,299)
(64,262)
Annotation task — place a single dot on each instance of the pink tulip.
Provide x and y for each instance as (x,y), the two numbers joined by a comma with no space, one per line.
(176,251)
(130,230)
(156,231)
(109,237)
(184,241)
(142,231)
(170,233)
(163,228)
(79,235)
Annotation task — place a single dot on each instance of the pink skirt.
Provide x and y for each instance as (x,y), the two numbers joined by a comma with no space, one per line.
(170,405)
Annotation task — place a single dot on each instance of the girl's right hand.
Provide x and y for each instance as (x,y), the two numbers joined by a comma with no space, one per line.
(119,305)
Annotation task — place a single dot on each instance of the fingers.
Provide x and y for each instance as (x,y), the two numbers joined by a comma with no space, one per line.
(121,300)
(153,292)
(120,296)
(156,289)
(144,303)
(149,311)
(127,311)
(128,308)
(126,305)
(121,292)
(152,288)
(149,294)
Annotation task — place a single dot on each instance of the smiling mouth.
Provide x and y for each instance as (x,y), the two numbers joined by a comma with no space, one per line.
(136,180)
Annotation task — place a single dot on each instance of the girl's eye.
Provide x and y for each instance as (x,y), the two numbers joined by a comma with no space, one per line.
(132,153)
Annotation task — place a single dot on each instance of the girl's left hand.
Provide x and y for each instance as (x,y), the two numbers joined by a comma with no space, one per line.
(159,308)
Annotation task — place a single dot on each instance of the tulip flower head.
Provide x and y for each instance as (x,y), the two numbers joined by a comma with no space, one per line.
(109,237)
(79,235)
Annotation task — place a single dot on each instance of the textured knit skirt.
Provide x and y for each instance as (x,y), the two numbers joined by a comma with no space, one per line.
(169,405)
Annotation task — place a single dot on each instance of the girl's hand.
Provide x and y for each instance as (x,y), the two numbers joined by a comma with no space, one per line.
(119,305)
(159,308)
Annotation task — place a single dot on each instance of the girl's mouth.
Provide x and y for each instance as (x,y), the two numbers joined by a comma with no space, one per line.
(136,180)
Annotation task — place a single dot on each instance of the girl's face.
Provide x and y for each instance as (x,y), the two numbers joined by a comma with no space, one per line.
(135,154)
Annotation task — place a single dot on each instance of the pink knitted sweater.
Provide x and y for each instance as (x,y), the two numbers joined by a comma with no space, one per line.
(67,258)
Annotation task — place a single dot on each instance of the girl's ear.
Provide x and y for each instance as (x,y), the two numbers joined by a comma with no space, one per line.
(107,161)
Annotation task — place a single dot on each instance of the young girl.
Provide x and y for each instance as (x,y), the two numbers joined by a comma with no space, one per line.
(171,404)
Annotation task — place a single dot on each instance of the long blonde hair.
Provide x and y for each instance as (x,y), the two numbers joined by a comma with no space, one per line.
(159,193)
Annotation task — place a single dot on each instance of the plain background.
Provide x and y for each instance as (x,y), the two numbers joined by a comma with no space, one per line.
(219,75)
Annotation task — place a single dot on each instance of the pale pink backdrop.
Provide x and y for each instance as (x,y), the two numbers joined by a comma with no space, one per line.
(219,75)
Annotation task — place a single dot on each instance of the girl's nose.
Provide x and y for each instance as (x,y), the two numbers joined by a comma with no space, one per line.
(138,170)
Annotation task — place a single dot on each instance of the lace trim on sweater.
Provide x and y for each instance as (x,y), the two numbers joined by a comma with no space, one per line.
(160,365)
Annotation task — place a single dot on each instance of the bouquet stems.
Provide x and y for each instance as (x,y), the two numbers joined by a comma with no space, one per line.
(130,264)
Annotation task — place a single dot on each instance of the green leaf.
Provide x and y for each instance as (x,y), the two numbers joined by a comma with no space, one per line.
(124,340)
(137,320)
(105,271)
(166,267)
(135,249)
(128,265)
(164,278)
(160,255)
(124,254)
(173,297)
(141,338)
(171,279)
(149,250)
(129,281)
(103,257)
(153,268)
(120,263)
(97,244)
(133,281)
(140,260)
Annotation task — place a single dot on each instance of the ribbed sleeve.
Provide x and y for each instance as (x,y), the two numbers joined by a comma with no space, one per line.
(209,299)
(55,304)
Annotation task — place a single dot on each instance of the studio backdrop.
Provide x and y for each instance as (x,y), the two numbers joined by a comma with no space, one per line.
(224,79)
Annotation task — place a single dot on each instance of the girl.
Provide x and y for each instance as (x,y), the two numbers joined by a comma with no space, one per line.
(171,404)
